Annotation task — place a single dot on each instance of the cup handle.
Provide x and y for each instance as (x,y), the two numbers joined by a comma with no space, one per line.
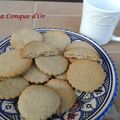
(115,38)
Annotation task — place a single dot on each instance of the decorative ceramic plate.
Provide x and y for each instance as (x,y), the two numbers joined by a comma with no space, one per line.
(88,106)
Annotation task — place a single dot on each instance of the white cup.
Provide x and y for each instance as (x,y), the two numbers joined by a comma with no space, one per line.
(99,20)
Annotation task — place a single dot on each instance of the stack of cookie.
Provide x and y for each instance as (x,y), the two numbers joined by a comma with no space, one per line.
(84,73)
(44,69)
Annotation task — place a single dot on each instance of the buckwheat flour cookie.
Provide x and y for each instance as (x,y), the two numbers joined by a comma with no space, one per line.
(36,48)
(80,44)
(53,65)
(12,64)
(38,102)
(20,38)
(82,53)
(86,75)
(65,91)
(62,76)
(34,75)
(57,38)
(12,87)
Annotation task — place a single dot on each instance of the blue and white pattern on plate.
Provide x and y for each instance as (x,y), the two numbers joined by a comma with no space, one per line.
(88,106)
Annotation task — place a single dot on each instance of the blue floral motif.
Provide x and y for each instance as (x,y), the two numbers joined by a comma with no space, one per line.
(88,106)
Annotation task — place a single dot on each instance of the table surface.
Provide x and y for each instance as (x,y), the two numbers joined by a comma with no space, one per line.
(56,15)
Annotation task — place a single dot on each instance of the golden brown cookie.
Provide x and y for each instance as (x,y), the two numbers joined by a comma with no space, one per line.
(34,75)
(86,75)
(24,36)
(12,87)
(65,91)
(57,38)
(36,48)
(38,102)
(12,64)
(52,65)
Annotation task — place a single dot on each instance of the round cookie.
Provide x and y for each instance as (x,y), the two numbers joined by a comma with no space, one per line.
(38,102)
(24,36)
(86,75)
(34,75)
(80,44)
(82,53)
(57,38)
(52,65)
(12,87)
(65,91)
(36,48)
(12,64)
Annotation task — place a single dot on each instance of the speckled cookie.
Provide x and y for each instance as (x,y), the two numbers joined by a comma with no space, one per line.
(86,75)
(36,48)
(53,65)
(34,75)
(12,87)
(12,64)
(24,36)
(57,38)
(65,91)
(38,102)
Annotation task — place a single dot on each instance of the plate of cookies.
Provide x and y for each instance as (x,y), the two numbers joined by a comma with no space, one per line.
(55,74)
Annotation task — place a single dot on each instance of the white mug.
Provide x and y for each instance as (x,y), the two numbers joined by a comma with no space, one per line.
(99,20)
